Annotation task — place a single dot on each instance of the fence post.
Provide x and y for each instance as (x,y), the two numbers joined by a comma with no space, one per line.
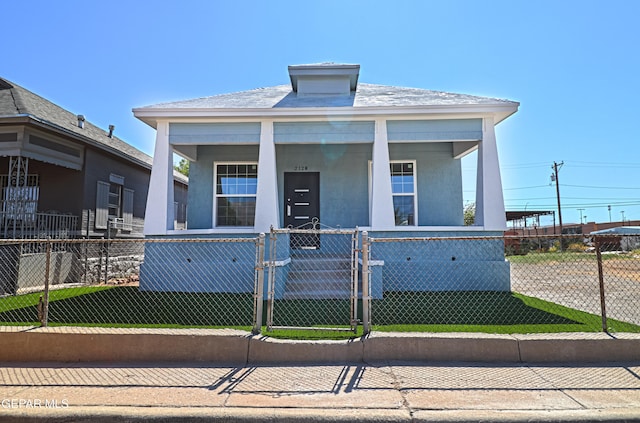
(259,289)
(355,253)
(272,276)
(603,307)
(366,299)
(106,266)
(45,303)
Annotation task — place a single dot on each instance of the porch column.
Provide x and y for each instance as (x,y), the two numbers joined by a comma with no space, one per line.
(490,211)
(267,212)
(382,216)
(159,213)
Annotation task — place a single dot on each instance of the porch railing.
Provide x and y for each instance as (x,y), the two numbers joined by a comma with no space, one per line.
(38,225)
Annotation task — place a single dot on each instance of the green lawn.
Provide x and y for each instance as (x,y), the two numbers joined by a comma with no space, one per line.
(126,306)
(536,258)
(489,312)
(569,256)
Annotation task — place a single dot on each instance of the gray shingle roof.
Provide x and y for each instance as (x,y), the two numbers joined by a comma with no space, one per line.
(366,95)
(16,100)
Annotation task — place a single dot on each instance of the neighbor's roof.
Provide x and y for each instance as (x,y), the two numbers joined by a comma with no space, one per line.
(16,101)
(366,95)
(518,215)
(620,230)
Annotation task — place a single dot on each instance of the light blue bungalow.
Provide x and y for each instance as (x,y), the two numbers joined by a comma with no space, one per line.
(380,158)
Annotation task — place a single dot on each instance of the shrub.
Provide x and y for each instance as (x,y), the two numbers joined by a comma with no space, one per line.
(576,247)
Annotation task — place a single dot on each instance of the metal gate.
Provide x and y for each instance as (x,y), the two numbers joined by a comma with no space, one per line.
(313,286)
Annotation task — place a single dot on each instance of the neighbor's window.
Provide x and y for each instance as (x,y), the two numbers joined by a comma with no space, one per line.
(403,187)
(115,201)
(236,187)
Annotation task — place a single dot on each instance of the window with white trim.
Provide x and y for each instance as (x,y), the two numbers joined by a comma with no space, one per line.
(403,188)
(236,186)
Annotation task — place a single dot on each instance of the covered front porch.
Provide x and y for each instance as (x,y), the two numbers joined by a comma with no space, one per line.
(359,177)
(20,213)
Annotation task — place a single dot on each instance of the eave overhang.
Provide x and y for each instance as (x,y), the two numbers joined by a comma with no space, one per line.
(25,119)
(498,111)
(43,124)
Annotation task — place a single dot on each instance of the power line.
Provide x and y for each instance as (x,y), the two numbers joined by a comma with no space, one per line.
(535,186)
(592,187)
(604,164)
(572,198)
(569,185)
(586,205)
(525,164)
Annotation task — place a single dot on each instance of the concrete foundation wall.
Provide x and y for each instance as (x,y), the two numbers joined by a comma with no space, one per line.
(198,267)
(439,265)
(32,269)
(434,265)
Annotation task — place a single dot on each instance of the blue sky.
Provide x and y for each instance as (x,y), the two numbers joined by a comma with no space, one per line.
(574,66)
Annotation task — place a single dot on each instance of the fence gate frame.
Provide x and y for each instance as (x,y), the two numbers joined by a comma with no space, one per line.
(312,229)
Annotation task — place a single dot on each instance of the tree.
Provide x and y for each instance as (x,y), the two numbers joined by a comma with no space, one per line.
(182,167)
(469,214)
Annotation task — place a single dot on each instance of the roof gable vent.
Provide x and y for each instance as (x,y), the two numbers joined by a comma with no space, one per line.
(324,79)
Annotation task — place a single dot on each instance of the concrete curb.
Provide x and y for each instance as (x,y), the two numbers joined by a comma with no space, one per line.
(102,414)
(579,347)
(381,346)
(73,344)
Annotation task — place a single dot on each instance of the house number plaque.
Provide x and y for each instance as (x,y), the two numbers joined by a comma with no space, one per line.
(299,168)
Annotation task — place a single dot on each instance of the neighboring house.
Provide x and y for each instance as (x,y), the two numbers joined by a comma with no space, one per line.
(61,176)
(381,158)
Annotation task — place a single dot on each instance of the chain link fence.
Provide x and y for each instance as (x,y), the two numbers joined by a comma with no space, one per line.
(542,284)
(314,279)
(162,283)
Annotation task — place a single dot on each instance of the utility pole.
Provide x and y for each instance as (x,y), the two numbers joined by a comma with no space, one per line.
(609,207)
(554,177)
(581,210)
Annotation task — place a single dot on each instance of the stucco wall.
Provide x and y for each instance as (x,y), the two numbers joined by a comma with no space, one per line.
(198,267)
(200,194)
(439,183)
(344,180)
(475,263)
(343,168)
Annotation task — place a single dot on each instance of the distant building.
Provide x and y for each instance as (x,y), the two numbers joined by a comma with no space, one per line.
(624,238)
(64,177)
(531,229)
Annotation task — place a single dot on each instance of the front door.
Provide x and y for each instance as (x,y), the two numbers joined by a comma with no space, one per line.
(302,206)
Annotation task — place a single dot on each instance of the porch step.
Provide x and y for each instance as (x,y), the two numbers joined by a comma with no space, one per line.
(319,262)
(318,295)
(319,285)
(317,276)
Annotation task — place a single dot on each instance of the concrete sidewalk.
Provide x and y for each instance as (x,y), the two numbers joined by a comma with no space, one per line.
(71,374)
(392,391)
